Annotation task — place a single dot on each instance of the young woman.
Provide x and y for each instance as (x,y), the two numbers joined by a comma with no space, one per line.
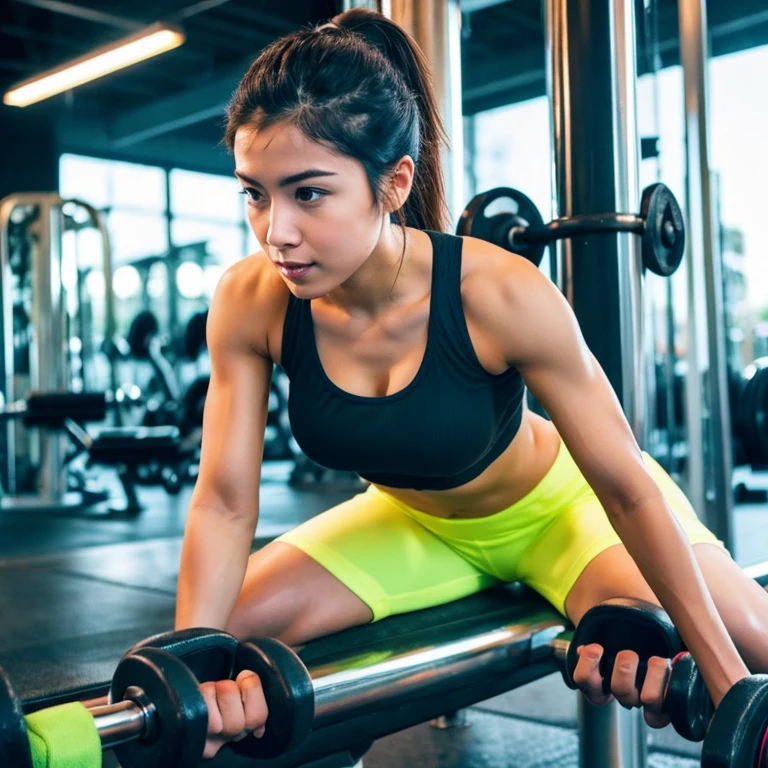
(409,352)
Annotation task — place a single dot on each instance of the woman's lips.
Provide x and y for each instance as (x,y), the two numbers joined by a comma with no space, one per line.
(293,270)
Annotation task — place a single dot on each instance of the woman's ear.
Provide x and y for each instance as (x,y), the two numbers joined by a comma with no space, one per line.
(400,184)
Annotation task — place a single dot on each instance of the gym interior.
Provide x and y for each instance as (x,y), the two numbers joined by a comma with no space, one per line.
(639,124)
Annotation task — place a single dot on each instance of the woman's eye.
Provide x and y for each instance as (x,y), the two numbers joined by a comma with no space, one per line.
(305,194)
(251,194)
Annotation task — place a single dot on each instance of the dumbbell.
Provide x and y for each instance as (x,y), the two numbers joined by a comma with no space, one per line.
(156,716)
(736,733)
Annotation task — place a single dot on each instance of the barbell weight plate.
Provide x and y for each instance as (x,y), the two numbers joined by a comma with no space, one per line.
(289,695)
(181,716)
(623,624)
(496,228)
(193,404)
(745,422)
(749,426)
(14,741)
(194,335)
(142,329)
(760,415)
(738,728)
(663,239)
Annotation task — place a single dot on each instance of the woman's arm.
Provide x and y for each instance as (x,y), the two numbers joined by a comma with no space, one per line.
(223,511)
(539,334)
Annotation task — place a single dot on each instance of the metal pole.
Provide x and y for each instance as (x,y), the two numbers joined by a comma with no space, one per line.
(591,82)
(711,451)
(48,346)
(8,473)
(436,27)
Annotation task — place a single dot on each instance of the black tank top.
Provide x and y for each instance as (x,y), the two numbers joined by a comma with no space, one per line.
(441,431)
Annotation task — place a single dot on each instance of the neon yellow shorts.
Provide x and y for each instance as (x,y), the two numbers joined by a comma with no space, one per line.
(397,559)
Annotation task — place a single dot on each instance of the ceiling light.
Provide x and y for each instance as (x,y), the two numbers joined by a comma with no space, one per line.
(142,45)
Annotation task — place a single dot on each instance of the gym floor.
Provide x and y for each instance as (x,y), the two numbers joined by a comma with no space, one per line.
(67,576)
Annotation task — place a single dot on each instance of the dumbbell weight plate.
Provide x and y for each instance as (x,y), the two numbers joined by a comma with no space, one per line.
(208,653)
(289,694)
(475,222)
(181,716)
(14,742)
(687,701)
(663,240)
(738,728)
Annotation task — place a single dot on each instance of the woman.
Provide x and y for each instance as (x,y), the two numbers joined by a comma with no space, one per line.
(409,352)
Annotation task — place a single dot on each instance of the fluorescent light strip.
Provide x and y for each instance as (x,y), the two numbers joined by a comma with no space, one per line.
(146,43)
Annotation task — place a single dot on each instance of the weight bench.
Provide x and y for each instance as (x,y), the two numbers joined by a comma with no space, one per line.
(142,455)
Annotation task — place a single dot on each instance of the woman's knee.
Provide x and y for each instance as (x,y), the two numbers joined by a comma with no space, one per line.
(612,573)
(741,603)
(271,596)
(291,597)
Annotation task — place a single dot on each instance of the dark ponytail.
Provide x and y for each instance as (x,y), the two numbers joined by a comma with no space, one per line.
(361,85)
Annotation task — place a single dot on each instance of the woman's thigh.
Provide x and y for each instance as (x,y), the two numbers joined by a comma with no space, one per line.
(740,601)
(580,557)
(362,560)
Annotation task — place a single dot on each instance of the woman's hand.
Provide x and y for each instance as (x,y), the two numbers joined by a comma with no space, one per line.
(589,681)
(235,709)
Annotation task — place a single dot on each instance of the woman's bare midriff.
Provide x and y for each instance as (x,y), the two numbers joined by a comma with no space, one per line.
(510,478)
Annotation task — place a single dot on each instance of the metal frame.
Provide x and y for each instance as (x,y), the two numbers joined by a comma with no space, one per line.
(48,352)
(591,81)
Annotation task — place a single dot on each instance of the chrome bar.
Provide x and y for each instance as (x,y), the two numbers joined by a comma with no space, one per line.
(119,723)
(369,680)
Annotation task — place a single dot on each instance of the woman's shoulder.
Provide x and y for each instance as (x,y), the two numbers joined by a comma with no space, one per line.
(252,278)
(250,301)
(490,274)
(503,295)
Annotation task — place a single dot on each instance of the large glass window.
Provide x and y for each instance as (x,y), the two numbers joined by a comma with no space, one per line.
(512,148)
(206,197)
(739,158)
(172,235)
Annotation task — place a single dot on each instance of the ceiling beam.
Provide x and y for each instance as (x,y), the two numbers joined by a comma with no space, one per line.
(84,137)
(87,14)
(169,114)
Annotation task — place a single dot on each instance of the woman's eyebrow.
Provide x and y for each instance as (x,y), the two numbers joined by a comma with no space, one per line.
(297,177)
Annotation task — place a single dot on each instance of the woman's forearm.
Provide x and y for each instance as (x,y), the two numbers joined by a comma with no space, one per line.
(214,558)
(665,558)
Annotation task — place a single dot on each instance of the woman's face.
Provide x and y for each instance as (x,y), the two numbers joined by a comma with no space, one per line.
(311,210)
